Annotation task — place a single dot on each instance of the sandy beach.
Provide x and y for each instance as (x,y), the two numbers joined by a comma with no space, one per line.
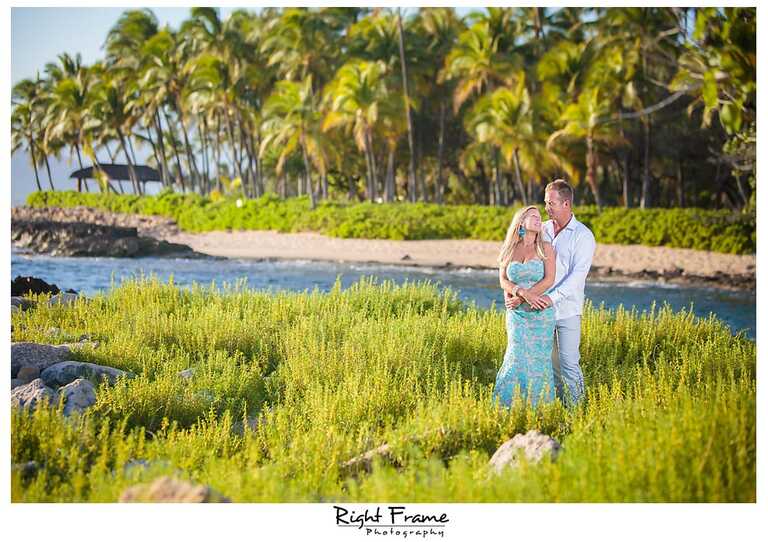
(608,260)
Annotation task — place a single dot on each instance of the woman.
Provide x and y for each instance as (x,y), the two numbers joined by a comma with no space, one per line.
(526,271)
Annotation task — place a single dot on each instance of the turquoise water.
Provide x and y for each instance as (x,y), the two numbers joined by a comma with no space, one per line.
(89,275)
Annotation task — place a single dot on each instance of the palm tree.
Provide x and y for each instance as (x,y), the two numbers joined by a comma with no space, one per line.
(479,63)
(441,28)
(582,122)
(292,122)
(354,98)
(68,106)
(506,120)
(25,120)
(107,113)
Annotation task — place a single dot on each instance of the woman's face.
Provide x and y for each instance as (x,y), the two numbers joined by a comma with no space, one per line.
(532,220)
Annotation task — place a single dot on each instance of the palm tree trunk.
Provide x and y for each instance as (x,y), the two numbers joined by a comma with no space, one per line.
(219,187)
(389,182)
(202,133)
(154,154)
(112,156)
(374,172)
(309,176)
(645,197)
(518,178)
(48,169)
(325,185)
(235,154)
(191,162)
(165,172)
(496,178)
(412,181)
(440,188)
(131,171)
(80,161)
(31,140)
(624,169)
(176,154)
(369,169)
(133,155)
(592,170)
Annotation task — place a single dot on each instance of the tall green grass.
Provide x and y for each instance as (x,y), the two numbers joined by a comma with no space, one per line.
(669,413)
(719,231)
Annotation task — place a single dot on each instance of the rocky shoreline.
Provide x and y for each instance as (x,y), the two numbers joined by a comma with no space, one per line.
(86,232)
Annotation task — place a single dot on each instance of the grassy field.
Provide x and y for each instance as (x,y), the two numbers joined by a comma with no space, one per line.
(701,229)
(669,413)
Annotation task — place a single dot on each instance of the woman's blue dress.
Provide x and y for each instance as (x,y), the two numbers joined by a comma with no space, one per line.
(530,337)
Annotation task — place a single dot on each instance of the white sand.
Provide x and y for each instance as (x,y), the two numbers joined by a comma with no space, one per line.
(467,253)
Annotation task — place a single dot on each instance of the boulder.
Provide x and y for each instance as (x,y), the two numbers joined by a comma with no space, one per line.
(27,469)
(533,445)
(64,372)
(28,374)
(22,303)
(63,298)
(187,374)
(364,462)
(167,489)
(30,395)
(78,396)
(32,285)
(42,356)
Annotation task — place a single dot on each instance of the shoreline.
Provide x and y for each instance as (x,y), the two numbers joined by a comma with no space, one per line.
(621,263)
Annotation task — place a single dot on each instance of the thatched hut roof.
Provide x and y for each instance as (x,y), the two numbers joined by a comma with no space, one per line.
(119,172)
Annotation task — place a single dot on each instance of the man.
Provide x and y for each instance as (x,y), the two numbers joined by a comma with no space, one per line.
(574,245)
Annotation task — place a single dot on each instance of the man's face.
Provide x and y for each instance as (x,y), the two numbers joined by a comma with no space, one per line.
(557,208)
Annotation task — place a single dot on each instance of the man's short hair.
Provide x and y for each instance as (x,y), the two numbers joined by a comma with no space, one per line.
(564,190)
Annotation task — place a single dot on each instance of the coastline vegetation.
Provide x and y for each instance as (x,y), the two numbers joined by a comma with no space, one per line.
(714,230)
(669,415)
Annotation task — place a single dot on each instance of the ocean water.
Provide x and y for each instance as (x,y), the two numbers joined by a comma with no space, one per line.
(90,275)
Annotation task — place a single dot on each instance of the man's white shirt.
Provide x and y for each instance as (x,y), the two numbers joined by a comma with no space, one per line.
(574,247)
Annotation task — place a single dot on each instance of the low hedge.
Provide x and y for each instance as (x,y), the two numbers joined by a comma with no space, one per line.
(701,229)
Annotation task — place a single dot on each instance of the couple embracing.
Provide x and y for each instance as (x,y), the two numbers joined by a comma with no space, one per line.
(542,270)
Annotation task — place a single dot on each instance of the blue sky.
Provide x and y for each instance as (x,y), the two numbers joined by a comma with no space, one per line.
(38,35)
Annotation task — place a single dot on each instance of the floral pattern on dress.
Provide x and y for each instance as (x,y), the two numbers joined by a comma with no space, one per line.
(527,361)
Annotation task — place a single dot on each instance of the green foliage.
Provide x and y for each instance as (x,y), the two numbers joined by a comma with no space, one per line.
(718,231)
(669,415)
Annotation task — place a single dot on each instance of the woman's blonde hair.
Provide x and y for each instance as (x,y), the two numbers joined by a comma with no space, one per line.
(513,237)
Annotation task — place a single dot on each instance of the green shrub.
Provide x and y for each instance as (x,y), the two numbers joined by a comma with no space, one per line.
(714,230)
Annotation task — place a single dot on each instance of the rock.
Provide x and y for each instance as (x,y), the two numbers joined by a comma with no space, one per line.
(187,374)
(31,285)
(31,395)
(167,489)
(78,396)
(52,231)
(533,445)
(15,383)
(22,303)
(63,298)
(64,372)
(28,469)
(28,374)
(364,462)
(37,355)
